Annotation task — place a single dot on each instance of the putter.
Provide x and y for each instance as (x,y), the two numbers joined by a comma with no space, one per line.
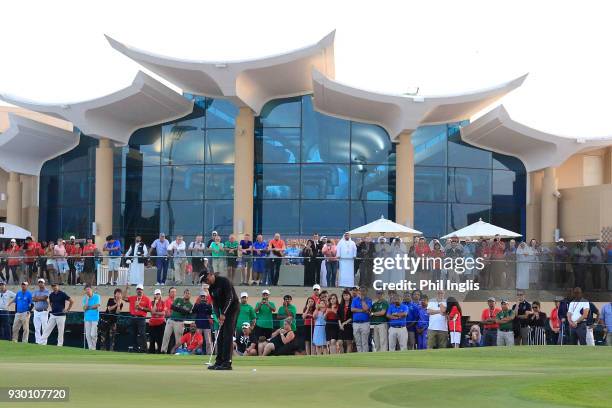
(214,347)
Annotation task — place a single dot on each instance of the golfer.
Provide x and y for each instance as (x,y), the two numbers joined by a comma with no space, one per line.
(226,307)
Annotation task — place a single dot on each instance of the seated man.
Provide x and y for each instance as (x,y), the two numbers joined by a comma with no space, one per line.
(190,343)
(282,342)
(246,343)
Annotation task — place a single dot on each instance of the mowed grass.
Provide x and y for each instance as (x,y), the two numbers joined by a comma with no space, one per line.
(517,377)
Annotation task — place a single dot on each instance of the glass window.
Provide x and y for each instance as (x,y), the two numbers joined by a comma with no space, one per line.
(142,184)
(76,188)
(469,185)
(141,218)
(508,217)
(508,188)
(325,181)
(462,215)
(282,216)
(182,183)
(221,114)
(503,162)
(183,142)
(325,139)
(49,189)
(220,146)
(81,157)
(364,212)
(281,113)
(430,144)
(219,216)
(329,217)
(277,181)
(182,217)
(119,184)
(219,182)
(76,221)
(430,219)
(49,223)
(277,145)
(145,146)
(430,183)
(120,154)
(370,144)
(461,154)
(373,182)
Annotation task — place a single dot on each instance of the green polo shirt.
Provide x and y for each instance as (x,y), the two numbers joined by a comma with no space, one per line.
(246,314)
(282,313)
(501,315)
(216,248)
(181,303)
(231,245)
(379,306)
(264,317)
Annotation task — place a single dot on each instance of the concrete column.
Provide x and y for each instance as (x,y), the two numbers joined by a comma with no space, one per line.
(607,176)
(549,205)
(404,181)
(104,191)
(14,190)
(244,168)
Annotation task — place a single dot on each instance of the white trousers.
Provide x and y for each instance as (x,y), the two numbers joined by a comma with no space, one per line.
(590,339)
(361,334)
(60,322)
(172,327)
(40,324)
(91,334)
(398,335)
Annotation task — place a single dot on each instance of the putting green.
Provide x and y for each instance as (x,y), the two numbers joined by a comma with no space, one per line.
(519,377)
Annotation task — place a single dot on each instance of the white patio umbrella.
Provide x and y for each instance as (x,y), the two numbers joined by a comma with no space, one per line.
(383,228)
(481,229)
(13,231)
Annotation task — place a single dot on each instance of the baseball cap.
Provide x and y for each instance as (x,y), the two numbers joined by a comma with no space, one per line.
(139,286)
(41,280)
(244,294)
(315,287)
(558,298)
(504,301)
(2,282)
(246,324)
(560,240)
(265,292)
(215,233)
(491,299)
(72,237)
(202,293)
(25,283)
(13,240)
(157,292)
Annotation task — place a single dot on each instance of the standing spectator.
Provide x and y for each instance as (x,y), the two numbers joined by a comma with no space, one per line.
(580,259)
(57,299)
(561,256)
(91,316)
(590,322)
(498,254)
(437,332)
(160,246)
(577,315)
(523,266)
(360,306)
(89,264)
(181,311)
(140,305)
(288,311)
(216,250)
(346,251)
(51,265)
(412,318)
(42,262)
(505,319)
(157,323)
(264,310)
(14,254)
(230,248)
(71,251)
(138,252)
(366,251)
(489,320)
(309,254)
(202,313)
(522,310)
(437,254)
(396,314)
(112,247)
(277,250)
(246,313)
(213,237)
(169,329)
(380,331)
(510,264)
(319,339)
(454,321)
(562,312)
(108,329)
(536,322)
(196,250)
(605,319)
(332,331)
(423,323)
(598,258)
(345,323)
(307,317)
(23,303)
(319,243)
(32,251)
(190,342)
(246,257)
(554,321)
(6,298)
(260,248)
(61,264)
(178,250)
(40,297)
(331,263)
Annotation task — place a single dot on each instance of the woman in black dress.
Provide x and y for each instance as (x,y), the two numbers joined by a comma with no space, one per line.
(345,323)
(537,323)
(309,253)
(331,323)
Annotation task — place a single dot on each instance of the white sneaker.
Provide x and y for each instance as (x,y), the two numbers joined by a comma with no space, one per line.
(157,283)
(163,284)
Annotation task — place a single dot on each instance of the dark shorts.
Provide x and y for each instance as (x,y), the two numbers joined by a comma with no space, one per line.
(232,262)
(331,331)
(306,333)
(347,333)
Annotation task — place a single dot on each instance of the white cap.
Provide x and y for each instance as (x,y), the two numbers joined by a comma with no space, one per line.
(215,233)
(139,286)
(560,240)
(246,324)
(72,237)
(317,286)
(244,294)
(41,280)
(157,292)
(265,291)
(13,240)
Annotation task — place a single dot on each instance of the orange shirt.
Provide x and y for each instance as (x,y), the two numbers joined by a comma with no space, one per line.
(89,249)
(490,314)
(14,252)
(159,307)
(32,250)
(193,342)
(143,302)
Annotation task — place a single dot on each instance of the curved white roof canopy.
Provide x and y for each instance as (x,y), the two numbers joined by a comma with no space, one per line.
(27,144)
(249,83)
(498,132)
(398,113)
(145,102)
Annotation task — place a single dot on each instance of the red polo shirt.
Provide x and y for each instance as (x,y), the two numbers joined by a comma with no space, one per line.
(144,301)
(168,303)
(490,314)
(159,307)
(32,250)
(193,342)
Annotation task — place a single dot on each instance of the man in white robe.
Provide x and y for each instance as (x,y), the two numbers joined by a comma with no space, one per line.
(346,250)
(136,259)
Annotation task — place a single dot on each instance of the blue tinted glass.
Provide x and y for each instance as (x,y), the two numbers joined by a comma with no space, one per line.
(277,146)
(281,113)
(430,183)
(198,101)
(462,215)
(51,167)
(219,216)
(324,139)
(81,157)
(430,143)
(145,146)
(183,142)
(461,154)
(508,217)
(370,144)
(120,156)
(430,219)
(119,184)
(49,223)
(141,219)
(315,217)
(469,186)
(142,184)
(220,146)
(508,188)
(49,190)
(77,188)
(221,114)
(277,181)
(364,212)
(182,217)
(502,162)
(182,183)
(76,221)
(219,182)
(324,181)
(373,182)
(280,216)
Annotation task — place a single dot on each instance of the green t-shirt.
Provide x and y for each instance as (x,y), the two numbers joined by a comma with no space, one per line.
(184,304)
(281,313)
(379,306)
(264,317)
(231,245)
(501,315)
(216,249)
(246,314)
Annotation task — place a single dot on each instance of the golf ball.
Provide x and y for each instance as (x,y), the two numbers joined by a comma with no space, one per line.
(254,369)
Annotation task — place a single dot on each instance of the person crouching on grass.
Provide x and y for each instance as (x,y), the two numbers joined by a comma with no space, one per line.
(454,321)
(282,342)
(246,343)
(190,342)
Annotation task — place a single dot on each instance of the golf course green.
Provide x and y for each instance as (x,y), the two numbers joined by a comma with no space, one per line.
(517,377)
